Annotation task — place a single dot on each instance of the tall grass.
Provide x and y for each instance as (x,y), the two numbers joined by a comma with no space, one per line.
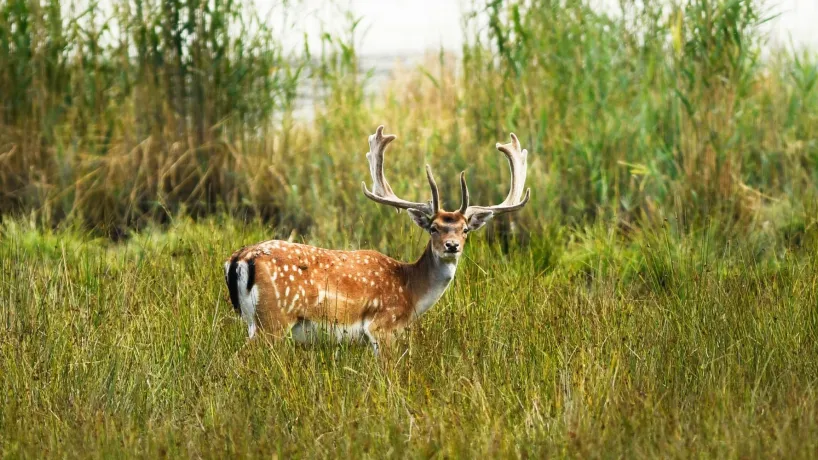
(666,346)
(148,109)
(665,108)
(117,112)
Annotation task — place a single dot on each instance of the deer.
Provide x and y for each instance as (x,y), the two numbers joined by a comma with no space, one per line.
(295,290)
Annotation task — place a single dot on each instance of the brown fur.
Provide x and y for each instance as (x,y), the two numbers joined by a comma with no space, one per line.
(285,287)
(298,282)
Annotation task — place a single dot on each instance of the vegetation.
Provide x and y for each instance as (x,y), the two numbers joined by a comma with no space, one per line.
(118,118)
(657,297)
(665,346)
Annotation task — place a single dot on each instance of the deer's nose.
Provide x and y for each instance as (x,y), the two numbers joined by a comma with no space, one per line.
(452,246)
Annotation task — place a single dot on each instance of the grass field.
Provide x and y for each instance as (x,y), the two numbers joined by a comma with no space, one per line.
(653,346)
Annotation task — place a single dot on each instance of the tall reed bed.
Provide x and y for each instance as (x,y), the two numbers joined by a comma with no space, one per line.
(666,107)
(116,112)
(661,110)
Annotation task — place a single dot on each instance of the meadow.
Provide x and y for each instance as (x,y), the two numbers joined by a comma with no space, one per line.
(661,347)
(658,297)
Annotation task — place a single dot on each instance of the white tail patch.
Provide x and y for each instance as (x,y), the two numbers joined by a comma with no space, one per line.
(248,299)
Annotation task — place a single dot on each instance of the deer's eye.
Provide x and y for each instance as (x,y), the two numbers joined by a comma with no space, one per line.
(433,229)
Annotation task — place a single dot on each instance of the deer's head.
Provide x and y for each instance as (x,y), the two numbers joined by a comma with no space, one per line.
(448,230)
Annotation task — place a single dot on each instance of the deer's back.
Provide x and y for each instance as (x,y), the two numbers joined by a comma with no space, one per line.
(304,282)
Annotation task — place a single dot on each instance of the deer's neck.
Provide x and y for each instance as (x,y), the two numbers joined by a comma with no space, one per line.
(428,279)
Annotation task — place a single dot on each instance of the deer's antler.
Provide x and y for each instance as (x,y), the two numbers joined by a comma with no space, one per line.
(517,162)
(381,191)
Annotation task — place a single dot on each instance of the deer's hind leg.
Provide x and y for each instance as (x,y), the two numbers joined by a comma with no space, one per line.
(271,314)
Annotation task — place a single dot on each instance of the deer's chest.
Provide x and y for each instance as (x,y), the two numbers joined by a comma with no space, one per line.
(438,284)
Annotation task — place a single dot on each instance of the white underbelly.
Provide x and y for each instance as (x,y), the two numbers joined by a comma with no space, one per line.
(306,331)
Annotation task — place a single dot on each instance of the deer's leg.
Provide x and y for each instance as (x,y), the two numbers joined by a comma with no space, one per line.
(374,342)
(382,336)
(271,315)
(274,323)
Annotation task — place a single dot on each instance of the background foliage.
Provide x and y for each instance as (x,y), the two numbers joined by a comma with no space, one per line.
(115,117)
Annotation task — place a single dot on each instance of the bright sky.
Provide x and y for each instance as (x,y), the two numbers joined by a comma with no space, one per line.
(798,21)
(413,26)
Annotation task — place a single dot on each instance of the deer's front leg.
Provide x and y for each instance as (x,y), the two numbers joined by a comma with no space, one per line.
(378,340)
(383,333)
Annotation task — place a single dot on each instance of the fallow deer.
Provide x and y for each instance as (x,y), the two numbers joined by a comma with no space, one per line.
(287,288)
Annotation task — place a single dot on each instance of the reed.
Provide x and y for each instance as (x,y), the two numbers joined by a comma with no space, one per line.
(143,111)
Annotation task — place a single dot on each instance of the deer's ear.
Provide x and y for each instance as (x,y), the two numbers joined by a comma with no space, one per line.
(420,218)
(479,219)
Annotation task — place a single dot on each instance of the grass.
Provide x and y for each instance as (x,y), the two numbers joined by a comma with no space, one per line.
(655,345)
(656,298)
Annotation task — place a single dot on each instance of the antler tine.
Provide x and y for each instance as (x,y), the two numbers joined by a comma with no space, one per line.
(518,163)
(435,191)
(377,146)
(464,193)
(381,191)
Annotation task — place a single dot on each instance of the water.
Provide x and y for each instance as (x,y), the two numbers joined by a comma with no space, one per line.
(394,32)
(408,27)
